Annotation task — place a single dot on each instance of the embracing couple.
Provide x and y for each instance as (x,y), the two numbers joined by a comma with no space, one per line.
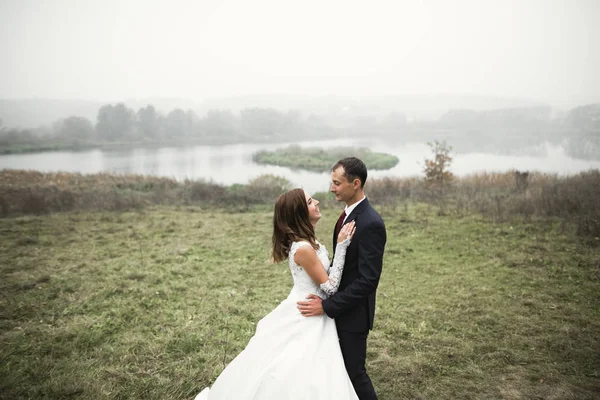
(313,345)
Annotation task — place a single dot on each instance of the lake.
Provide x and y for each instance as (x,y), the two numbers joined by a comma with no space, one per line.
(230,164)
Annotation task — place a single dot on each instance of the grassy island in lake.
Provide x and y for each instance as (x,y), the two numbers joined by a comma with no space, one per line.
(321,160)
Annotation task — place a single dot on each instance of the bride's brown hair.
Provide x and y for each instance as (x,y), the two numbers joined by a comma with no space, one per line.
(291,223)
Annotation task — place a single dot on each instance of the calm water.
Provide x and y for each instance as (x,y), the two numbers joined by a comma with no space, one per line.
(233,163)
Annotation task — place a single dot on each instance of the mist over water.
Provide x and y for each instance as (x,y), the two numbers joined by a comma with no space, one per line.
(247,69)
(231,164)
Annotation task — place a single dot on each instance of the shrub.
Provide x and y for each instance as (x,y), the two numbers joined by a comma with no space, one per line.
(201,191)
(436,171)
(390,191)
(266,188)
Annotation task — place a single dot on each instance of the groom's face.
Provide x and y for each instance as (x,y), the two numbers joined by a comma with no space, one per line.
(343,189)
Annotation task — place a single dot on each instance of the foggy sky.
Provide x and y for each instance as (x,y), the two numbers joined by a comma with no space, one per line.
(111,50)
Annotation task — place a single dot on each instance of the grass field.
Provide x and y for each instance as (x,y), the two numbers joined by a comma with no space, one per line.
(153,303)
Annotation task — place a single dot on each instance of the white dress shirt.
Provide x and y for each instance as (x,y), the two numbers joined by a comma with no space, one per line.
(351,208)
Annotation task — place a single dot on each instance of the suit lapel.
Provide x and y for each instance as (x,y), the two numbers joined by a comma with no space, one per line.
(357,210)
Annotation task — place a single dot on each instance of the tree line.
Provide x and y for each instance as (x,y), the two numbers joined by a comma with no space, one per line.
(494,130)
(119,123)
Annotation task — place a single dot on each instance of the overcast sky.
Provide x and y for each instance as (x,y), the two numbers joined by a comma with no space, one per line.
(111,50)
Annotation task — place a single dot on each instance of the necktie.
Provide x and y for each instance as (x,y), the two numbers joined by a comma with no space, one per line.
(339,224)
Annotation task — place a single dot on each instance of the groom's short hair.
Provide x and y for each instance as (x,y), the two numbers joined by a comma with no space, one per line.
(353,168)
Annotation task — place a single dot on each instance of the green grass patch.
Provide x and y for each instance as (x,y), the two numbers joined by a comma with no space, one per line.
(153,303)
(321,160)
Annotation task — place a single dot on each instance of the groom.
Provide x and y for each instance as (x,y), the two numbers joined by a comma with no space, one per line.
(353,306)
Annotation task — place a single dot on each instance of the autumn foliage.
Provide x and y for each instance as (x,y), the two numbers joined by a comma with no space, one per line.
(437,173)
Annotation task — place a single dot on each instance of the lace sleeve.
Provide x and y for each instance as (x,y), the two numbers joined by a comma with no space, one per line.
(295,268)
(335,273)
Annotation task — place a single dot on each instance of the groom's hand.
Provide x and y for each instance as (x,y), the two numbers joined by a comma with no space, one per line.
(312,307)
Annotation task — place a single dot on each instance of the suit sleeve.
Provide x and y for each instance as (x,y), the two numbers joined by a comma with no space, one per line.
(370,260)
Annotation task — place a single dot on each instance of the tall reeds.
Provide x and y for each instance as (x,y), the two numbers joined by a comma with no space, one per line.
(498,196)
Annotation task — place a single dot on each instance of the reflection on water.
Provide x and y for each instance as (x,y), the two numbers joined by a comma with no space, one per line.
(233,163)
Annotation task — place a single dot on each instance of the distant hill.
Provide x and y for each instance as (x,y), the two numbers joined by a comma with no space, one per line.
(163,105)
(414,107)
(30,113)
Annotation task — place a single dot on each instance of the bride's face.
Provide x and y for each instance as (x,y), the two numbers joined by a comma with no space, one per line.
(314,215)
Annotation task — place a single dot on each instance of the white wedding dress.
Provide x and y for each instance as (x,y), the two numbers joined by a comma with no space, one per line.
(290,357)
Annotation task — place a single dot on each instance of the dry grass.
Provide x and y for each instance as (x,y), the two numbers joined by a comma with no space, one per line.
(33,192)
(572,199)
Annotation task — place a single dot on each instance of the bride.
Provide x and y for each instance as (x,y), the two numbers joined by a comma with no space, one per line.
(291,357)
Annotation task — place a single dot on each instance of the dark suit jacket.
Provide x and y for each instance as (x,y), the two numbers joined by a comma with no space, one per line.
(353,306)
